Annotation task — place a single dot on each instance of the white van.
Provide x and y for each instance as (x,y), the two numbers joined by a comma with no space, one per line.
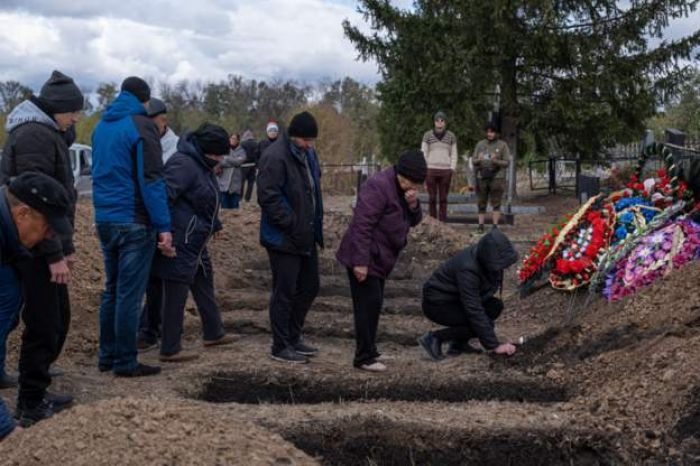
(81,163)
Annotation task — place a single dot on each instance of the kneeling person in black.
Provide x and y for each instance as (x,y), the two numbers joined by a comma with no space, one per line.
(461,296)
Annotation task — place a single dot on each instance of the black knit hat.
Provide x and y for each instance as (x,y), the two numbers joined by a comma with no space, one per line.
(138,87)
(412,165)
(156,107)
(212,139)
(60,94)
(45,195)
(303,125)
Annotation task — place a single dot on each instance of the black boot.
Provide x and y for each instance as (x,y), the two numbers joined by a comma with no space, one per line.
(58,401)
(27,417)
(432,346)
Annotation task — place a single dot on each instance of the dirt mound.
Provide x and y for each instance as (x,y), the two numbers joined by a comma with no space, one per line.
(635,361)
(148,432)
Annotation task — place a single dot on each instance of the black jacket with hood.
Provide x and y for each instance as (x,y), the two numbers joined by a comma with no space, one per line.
(472,277)
(35,143)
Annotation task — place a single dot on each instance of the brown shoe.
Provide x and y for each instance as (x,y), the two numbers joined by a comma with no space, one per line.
(180,356)
(227,339)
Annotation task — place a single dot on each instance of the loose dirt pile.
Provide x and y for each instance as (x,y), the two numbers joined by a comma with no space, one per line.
(148,432)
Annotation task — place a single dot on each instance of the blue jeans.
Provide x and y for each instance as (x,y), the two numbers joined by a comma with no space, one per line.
(10,304)
(7,423)
(128,250)
(230,200)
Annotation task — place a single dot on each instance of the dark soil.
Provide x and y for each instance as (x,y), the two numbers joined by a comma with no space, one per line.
(392,444)
(688,426)
(241,387)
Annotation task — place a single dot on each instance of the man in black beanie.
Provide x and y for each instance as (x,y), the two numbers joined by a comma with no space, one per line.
(291,228)
(158,112)
(38,131)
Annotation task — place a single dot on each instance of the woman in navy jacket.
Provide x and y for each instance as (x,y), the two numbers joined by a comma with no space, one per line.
(193,195)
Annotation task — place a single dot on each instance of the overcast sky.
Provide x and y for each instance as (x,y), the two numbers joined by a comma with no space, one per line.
(170,40)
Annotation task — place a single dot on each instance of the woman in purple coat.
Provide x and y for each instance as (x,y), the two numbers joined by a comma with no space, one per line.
(387,208)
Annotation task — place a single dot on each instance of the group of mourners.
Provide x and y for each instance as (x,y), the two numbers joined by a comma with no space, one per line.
(156,200)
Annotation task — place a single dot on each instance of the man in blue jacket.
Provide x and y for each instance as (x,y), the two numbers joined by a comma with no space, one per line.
(291,227)
(33,208)
(131,208)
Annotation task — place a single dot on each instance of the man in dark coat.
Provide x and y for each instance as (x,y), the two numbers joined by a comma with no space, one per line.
(291,227)
(461,295)
(39,134)
(33,208)
(387,208)
(193,194)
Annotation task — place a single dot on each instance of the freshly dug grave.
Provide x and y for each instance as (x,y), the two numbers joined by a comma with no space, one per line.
(286,388)
(144,432)
(378,439)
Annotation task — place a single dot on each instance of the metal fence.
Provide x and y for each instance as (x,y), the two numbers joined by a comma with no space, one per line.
(554,173)
(345,179)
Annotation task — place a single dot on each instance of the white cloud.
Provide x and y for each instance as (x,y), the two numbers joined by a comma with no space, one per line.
(170,40)
(206,40)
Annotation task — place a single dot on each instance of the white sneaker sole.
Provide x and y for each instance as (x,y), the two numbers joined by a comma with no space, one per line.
(278,359)
(377,367)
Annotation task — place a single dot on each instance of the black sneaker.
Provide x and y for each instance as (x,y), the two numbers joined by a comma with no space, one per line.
(55,371)
(305,350)
(457,347)
(104,367)
(28,417)
(142,370)
(7,381)
(432,346)
(480,229)
(58,401)
(289,355)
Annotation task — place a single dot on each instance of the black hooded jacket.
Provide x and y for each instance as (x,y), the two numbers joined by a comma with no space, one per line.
(35,143)
(472,277)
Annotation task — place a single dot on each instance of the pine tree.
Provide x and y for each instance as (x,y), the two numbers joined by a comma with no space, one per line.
(586,72)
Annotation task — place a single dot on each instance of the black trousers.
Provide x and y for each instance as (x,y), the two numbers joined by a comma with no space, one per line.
(172,297)
(149,326)
(453,316)
(247,183)
(46,317)
(367,303)
(295,284)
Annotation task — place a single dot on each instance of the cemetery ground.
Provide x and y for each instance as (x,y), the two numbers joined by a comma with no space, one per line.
(593,383)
